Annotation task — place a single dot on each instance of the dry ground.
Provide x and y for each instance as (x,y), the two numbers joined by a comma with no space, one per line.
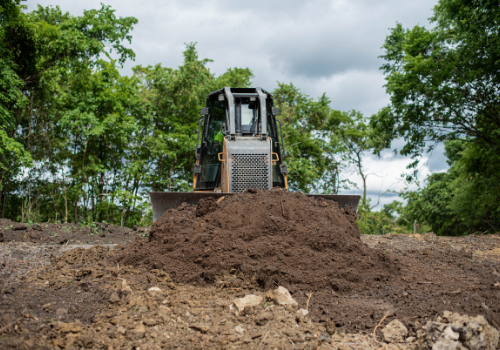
(55,294)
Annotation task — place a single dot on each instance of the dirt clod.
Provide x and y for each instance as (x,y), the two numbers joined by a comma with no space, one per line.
(395,332)
(19,226)
(455,331)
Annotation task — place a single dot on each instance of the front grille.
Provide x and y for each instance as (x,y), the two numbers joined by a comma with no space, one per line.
(249,171)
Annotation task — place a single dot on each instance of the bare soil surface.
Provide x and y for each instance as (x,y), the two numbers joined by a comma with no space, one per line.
(177,292)
(50,233)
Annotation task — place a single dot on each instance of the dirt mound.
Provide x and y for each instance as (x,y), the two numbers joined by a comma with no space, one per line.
(282,238)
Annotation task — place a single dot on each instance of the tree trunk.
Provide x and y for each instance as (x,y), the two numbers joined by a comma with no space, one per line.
(415,226)
(125,201)
(363,176)
(4,205)
(22,204)
(65,203)
(76,210)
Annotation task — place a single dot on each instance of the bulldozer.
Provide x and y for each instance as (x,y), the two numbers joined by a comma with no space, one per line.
(239,147)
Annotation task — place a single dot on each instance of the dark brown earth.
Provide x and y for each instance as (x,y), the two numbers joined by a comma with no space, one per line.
(288,239)
(59,296)
(50,233)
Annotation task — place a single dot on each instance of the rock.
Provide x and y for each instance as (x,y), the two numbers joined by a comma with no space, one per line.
(410,339)
(114,298)
(239,329)
(302,312)
(121,330)
(394,332)
(125,286)
(61,312)
(455,331)
(281,296)
(201,327)
(150,322)
(447,344)
(68,327)
(47,307)
(155,291)
(19,226)
(139,331)
(247,302)
(324,338)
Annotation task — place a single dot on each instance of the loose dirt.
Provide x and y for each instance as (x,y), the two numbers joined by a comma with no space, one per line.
(50,233)
(176,289)
(288,239)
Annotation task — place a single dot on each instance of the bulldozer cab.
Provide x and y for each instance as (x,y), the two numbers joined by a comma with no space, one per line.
(238,115)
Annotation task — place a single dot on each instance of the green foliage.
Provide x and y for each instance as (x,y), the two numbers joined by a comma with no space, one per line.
(310,140)
(91,142)
(463,200)
(443,82)
(443,85)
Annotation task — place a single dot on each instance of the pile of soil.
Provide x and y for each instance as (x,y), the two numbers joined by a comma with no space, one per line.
(280,237)
(306,245)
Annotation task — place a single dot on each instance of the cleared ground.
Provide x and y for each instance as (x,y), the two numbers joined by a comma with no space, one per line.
(59,291)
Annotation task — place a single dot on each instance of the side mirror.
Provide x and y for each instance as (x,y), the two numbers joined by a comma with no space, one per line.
(276,111)
(204,111)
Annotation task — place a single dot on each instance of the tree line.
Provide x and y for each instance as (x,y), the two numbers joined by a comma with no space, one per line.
(81,142)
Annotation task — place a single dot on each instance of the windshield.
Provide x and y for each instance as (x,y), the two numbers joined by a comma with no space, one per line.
(248,113)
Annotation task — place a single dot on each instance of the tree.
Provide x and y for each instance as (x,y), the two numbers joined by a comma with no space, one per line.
(17,50)
(310,142)
(460,201)
(444,83)
(444,87)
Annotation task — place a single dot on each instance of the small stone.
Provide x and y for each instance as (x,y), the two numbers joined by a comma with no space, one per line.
(239,329)
(302,312)
(140,330)
(68,327)
(281,296)
(395,332)
(150,322)
(154,290)
(201,327)
(121,330)
(247,302)
(446,344)
(410,339)
(448,333)
(47,307)
(125,286)
(114,298)
(61,312)
(455,331)
(324,338)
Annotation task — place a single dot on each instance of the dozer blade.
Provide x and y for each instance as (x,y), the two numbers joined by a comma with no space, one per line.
(162,201)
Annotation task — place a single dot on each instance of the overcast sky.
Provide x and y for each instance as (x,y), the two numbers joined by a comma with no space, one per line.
(321,46)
